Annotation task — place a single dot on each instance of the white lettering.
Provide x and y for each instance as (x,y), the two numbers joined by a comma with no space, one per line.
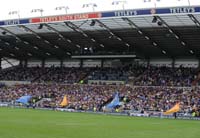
(182,10)
(81,16)
(125,13)
(11,22)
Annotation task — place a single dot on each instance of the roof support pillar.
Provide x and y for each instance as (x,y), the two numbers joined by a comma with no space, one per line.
(43,63)
(0,63)
(81,63)
(199,63)
(173,63)
(102,62)
(148,62)
(61,63)
(25,63)
(21,63)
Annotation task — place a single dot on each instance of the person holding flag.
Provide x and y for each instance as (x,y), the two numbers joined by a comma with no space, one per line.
(114,102)
(173,110)
(64,101)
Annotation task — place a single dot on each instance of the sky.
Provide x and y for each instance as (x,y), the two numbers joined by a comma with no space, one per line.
(24,7)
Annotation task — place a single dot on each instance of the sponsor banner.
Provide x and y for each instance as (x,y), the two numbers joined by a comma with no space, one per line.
(174,10)
(125,13)
(120,13)
(178,10)
(66,17)
(11,83)
(67,110)
(3,104)
(14,22)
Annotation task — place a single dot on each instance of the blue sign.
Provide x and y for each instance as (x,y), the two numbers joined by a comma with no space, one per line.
(178,10)
(175,10)
(14,22)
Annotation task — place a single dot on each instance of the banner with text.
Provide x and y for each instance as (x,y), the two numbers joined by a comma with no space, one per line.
(97,15)
(66,17)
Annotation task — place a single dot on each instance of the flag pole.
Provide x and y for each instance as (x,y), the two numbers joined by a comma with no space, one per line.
(189,3)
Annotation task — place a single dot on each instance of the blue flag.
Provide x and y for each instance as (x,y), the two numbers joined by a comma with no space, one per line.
(24,99)
(114,102)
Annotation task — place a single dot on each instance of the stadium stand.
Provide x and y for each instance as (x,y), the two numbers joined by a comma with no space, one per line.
(165,76)
(86,97)
(144,76)
(151,62)
(39,74)
(62,75)
(21,73)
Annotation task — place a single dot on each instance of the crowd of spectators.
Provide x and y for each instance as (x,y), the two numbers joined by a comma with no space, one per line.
(163,98)
(148,89)
(47,74)
(88,97)
(137,75)
(166,76)
(120,74)
(21,73)
(80,96)
(63,75)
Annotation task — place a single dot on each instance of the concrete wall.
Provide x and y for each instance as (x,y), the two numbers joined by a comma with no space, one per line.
(50,63)
(34,63)
(161,62)
(116,63)
(71,63)
(194,63)
(187,63)
(92,63)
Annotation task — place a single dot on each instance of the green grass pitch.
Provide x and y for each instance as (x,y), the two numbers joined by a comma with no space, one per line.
(28,123)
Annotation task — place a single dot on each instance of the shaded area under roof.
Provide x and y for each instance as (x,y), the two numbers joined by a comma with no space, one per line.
(165,36)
